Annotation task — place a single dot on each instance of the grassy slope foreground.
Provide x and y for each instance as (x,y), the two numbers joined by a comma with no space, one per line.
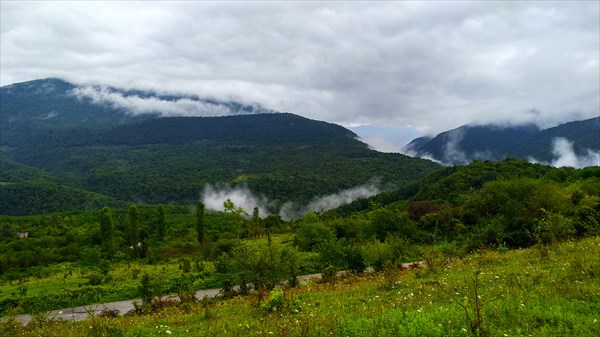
(522,292)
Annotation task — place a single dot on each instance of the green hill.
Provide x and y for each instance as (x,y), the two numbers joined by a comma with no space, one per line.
(279,156)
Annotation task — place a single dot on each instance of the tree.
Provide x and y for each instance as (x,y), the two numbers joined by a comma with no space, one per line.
(133,214)
(256,223)
(161,222)
(200,221)
(106,230)
(238,214)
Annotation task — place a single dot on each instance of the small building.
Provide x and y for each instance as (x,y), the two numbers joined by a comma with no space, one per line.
(23,235)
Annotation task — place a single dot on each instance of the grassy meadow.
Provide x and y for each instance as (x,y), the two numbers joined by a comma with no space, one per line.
(539,291)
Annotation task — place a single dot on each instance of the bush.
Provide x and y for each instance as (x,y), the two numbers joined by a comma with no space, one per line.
(276,302)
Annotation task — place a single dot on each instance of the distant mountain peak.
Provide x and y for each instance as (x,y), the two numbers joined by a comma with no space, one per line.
(56,103)
(495,142)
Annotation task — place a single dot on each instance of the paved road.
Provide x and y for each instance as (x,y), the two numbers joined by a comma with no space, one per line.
(123,307)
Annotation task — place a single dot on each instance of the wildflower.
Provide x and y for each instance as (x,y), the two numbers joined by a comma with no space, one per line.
(168,332)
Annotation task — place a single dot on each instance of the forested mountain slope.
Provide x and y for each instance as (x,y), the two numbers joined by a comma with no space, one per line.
(146,159)
(490,142)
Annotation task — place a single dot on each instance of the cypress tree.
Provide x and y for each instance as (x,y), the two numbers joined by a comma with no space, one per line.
(134,226)
(161,222)
(106,230)
(200,221)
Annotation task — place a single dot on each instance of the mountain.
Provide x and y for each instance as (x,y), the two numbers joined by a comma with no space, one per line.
(106,154)
(33,108)
(585,135)
(490,142)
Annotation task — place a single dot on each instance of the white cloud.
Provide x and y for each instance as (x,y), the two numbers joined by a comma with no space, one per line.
(324,203)
(213,198)
(135,104)
(453,154)
(430,65)
(564,154)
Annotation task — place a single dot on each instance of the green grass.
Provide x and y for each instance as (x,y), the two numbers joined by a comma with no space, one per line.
(65,285)
(521,293)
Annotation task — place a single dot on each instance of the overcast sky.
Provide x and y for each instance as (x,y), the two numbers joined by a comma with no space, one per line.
(425,65)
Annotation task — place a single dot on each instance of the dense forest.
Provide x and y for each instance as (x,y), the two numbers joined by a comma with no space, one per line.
(282,157)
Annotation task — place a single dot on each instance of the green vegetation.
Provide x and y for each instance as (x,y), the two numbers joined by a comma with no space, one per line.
(505,205)
(282,157)
(109,211)
(487,293)
(510,248)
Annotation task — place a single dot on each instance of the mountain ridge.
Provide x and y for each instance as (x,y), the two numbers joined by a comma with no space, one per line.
(490,142)
(280,157)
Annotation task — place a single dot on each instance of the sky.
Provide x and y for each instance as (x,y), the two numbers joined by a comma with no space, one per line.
(420,67)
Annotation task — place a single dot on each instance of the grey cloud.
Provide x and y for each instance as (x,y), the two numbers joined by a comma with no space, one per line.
(428,65)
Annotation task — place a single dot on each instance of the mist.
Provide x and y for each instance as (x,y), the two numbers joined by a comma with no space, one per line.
(565,155)
(135,105)
(324,203)
(213,198)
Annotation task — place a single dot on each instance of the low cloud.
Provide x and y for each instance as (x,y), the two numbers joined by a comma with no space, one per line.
(452,152)
(565,155)
(213,198)
(331,201)
(135,104)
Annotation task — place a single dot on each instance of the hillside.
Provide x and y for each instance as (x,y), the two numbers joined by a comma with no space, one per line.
(584,134)
(144,158)
(489,142)
(490,293)
(485,208)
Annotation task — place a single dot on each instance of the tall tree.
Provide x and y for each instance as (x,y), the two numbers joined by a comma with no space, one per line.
(255,222)
(161,222)
(200,221)
(134,227)
(106,230)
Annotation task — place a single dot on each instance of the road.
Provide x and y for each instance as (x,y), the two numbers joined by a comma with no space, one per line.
(123,307)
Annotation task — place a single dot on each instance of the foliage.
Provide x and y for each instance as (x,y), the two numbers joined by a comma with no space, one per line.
(64,260)
(517,295)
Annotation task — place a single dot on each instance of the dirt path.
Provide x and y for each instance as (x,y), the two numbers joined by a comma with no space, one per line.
(82,312)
